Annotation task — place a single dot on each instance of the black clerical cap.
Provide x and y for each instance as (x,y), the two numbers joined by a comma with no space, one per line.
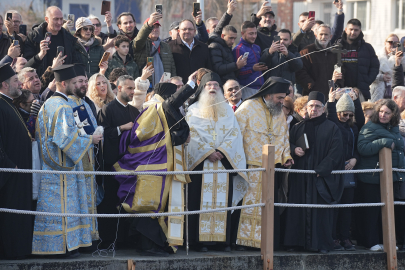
(64,73)
(315,95)
(208,77)
(273,85)
(165,90)
(6,72)
(80,69)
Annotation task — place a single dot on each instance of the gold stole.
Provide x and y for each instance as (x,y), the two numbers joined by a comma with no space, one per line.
(214,195)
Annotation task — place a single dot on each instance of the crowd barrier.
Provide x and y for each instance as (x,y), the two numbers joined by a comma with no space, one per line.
(268,204)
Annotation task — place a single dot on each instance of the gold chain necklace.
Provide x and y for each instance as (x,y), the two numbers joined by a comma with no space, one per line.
(19,117)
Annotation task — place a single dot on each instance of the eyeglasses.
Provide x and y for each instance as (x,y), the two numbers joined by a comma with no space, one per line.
(392,42)
(88,29)
(16,22)
(312,106)
(97,25)
(348,114)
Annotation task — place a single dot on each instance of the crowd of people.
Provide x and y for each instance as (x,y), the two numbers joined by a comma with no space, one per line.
(197,101)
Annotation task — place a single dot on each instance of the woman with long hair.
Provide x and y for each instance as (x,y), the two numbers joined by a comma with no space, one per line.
(100,91)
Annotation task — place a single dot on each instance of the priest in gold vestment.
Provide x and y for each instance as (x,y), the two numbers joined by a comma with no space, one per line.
(262,122)
(216,144)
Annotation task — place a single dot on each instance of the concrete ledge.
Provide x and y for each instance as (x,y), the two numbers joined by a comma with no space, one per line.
(250,260)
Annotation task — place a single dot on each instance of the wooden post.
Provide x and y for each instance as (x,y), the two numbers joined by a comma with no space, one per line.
(387,197)
(267,225)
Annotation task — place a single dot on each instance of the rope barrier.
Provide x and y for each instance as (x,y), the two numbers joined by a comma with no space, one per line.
(329,205)
(398,170)
(333,172)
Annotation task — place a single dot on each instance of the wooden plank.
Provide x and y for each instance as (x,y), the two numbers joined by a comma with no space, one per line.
(388,219)
(267,224)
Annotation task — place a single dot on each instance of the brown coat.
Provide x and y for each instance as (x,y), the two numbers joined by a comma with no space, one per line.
(318,69)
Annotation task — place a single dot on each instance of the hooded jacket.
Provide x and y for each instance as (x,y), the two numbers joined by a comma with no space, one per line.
(367,65)
(32,48)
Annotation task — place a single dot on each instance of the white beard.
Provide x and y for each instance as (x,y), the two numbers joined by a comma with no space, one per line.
(212,106)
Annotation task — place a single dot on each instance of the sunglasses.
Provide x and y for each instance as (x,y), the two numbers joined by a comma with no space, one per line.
(348,114)
(88,29)
(392,42)
(97,25)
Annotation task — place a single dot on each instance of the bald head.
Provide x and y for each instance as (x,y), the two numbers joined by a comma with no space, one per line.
(54,18)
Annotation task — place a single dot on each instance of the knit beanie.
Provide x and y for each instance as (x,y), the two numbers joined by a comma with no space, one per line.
(345,104)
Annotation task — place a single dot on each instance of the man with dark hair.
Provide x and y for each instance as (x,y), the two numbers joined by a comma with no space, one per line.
(280,52)
(360,63)
(305,35)
(248,74)
(266,27)
(127,27)
(220,45)
(148,44)
(189,53)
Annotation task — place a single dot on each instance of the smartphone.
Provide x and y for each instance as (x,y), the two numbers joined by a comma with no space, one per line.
(338,69)
(9,16)
(105,6)
(267,3)
(60,49)
(331,84)
(245,55)
(196,8)
(105,57)
(262,63)
(71,17)
(48,36)
(311,14)
(159,8)
(149,61)
(166,76)
(335,1)
(15,42)
(401,47)
(23,29)
(276,38)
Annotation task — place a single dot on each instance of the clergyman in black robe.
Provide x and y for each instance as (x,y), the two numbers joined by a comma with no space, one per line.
(311,228)
(15,188)
(116,117)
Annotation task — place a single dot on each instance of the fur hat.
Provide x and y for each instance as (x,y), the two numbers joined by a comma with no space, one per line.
(345,104)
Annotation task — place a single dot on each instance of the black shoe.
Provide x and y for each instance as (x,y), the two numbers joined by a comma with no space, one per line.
(240,248)
(323,251)
(227,249)
(337,246)
(203,249)
(348,245)
(157,252)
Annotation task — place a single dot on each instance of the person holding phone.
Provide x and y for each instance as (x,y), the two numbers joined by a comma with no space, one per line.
(88,46)
(278,53)
(7,38)
(111,33)
(266,27)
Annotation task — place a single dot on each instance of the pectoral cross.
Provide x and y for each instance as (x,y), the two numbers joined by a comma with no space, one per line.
(339,52)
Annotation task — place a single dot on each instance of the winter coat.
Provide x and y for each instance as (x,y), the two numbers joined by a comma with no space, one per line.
(317,69)
(90,58)
(116,62)
(398,76)
(32,48)
(286,71)
(142,48)
(187,61)
(387,64)
(265,36)
(247,75)
(367,65)
(222,59)
(372,138)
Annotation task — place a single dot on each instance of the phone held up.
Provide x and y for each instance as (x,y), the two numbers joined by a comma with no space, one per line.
(60,49)
(311,14)
(9,16)
(48,36)
(105,6)
(196,8)
(15,42)
(104,58)
(331,84)
(23,29)
(71,17)
(149,61)
(159,8)
(276,39)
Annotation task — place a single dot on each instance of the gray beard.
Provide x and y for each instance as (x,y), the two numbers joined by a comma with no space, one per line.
(275,109)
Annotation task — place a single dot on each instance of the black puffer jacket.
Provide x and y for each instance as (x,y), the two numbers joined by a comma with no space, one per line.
(368,65)
(32,48)
(221,55)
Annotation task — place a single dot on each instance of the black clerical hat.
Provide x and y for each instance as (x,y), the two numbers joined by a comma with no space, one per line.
(315,95)
(273,85)
(80,69)
(165,90)
(208,77)
(64,73)
(6,72)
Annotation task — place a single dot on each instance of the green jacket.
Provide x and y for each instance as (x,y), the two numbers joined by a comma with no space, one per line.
(142,47)
(372,138)
(92,58)
(130,66)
